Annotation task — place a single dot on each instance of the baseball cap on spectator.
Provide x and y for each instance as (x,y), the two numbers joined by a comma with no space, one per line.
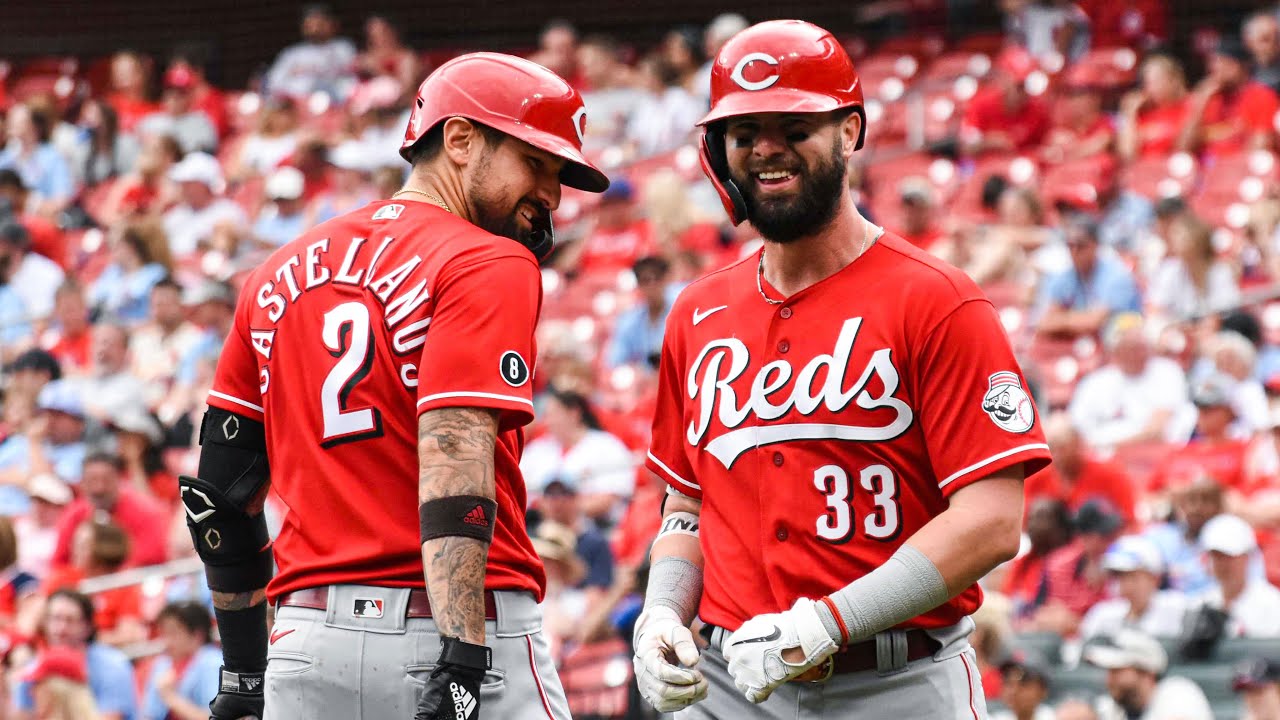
(349,155)
(14,234)
(1229,535)
(134,418)
(1169,207)
(1097,516)
(1030,664)
(1133,552)
(379,93)
(916,189)
(60,662)
(561,485)
(209,291)
(1254,673)
(36,359)
(619,190)
(1213,391)
(179,77)
(198,167)
(558,543)
(50,489)
(285,183)
(1229,46)
(61,396)
(1128,648)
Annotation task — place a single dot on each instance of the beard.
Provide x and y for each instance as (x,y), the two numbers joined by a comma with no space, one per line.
(787,219)
(490,216)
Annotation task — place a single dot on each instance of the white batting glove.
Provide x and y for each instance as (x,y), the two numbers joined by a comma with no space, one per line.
(754,652)
(661,640)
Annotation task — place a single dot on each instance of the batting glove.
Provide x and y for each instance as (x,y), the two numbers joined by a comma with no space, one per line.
(453,690)
(239,696)
(661,640)
(754,652)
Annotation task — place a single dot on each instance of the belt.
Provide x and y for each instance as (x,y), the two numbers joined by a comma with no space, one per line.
(317,598)
(858,657)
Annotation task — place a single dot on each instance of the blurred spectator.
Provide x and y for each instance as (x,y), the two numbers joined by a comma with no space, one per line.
(608,95)
(1127,23)
(322,62)
(1076,476)
(1080,130)
(1074,708)
(1025,679)
(1047,28)
(25,377)
(129,92)
(1228,111)
(47,238)
(1136,397)
(275,139)
(1233,356)
(1135,663)
(1136,568)
(637,335)
(38,527)
(378,121)
(350,189)
(139,260)
(616,240)
(111,387)
(146,188)
(204,96)
(68,338)
(159,344)
(178,116)
(565,604)
(718,32)
(1257,679)
(1152,116)
(386,54)
(675,222)
(575,447)
(919,205)
(104,492)
(1261,35)
(1192,281)
(681,50)
(53,443)
(59,686)
(138,439)
(97,549)
(1003,117)
(990,641)
(557,50)
(33,277)
(184,678)
(1124,216)
(1074,577)
(201,212)
(561,504)
(284,217)
(1049,527)
(68,622)
(1250,601)
(1212,450)
(42,168)
(211,306)
(1080,300)
(1194,504)
(18,587)
(100,152)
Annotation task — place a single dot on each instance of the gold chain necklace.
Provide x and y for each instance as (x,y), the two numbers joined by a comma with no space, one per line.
(435,199)
(866,231)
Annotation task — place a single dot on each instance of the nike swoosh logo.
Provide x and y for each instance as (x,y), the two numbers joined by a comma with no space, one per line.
(700,316)
(277,634)
(763,638)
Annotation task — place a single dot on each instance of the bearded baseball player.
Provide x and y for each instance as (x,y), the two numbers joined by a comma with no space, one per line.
(377,377)
(841,424)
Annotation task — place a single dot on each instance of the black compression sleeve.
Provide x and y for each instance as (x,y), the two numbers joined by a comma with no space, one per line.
(244,638)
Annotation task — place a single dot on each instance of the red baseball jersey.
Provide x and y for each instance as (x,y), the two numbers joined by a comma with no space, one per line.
(821,433)
(341,338)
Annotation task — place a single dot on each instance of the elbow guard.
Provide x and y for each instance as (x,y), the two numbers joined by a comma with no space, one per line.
(223,504)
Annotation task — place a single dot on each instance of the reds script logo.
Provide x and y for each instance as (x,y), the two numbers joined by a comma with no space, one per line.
(1007,403)
(767,81)
(723,361)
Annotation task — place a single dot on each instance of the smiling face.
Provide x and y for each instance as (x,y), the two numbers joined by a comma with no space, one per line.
(513,187)
(791,169)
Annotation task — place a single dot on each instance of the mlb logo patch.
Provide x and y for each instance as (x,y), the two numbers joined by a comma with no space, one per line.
(388,212)
(367,608)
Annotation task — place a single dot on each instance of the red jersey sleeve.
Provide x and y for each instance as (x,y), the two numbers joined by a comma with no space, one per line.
(975,411)
(481,340)
(667,457)
(236,383)
(1259,107)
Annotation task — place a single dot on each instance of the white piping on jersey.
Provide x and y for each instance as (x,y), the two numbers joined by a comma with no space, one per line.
(489,396)
(993,458)
(236,400)
(729,446)
(673,474)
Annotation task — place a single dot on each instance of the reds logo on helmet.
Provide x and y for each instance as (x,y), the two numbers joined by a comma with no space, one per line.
(739,71)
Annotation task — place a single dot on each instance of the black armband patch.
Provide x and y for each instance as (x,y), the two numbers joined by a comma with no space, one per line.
(470,516)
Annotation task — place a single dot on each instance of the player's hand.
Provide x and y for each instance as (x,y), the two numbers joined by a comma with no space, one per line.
(452,693)
(239,696)
(755,651)
(665,660)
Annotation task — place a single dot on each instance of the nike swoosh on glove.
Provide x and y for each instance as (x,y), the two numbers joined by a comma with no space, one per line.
(754,652)
(661,640)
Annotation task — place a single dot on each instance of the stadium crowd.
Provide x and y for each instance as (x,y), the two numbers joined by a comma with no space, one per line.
(1119,204)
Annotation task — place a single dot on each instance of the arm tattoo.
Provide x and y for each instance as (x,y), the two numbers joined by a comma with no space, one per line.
(455,455)
(238,601)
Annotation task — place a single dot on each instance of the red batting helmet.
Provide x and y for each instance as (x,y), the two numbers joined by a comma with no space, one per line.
(782,66)
(512,95)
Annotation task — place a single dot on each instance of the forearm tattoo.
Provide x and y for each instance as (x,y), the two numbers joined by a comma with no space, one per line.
(238,601)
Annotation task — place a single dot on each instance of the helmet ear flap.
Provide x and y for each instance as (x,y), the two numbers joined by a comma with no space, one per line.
(716,165)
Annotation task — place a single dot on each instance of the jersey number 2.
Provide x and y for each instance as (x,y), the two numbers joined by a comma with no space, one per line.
(346,335)
(836,526)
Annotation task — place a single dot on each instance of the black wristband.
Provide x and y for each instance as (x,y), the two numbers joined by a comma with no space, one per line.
(244,638)
(459,516)
(464,654)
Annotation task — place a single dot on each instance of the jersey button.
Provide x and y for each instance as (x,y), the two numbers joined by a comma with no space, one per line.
(781,534)
(785,313)
(784,346)
(777,459)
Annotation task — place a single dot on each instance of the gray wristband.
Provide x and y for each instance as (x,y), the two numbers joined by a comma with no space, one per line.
(907,585)
(675,583)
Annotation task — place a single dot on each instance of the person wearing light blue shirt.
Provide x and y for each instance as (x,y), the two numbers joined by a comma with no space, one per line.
(183,680)
(637,336)
(35,159)
(1080,300)
(62,411)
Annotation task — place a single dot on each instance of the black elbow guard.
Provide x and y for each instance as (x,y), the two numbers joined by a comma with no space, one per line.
(234,544)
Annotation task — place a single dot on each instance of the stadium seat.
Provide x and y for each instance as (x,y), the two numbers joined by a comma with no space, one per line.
(1231,650)
(1213,678)
(1047,645)
(1083,681)
(1160,177)
(956,64)
(919,45)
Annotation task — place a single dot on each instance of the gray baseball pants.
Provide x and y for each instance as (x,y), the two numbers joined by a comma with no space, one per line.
(945,686)
(333,665)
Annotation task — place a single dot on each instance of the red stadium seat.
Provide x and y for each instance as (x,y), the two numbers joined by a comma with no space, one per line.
(1159,177)
(917,45)
(990,43)
(956,64)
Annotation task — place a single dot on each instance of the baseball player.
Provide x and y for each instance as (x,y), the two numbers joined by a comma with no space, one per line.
(377,377)
(841,424)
